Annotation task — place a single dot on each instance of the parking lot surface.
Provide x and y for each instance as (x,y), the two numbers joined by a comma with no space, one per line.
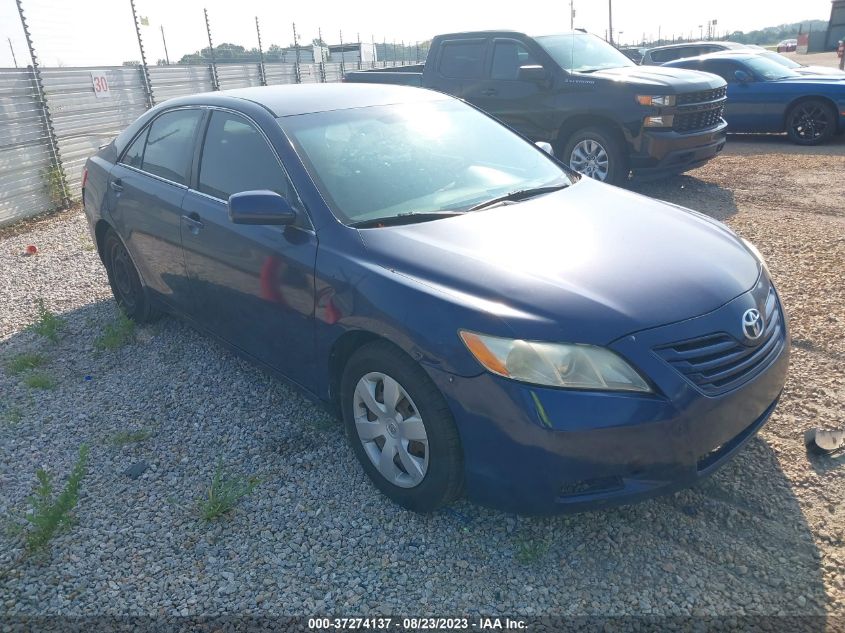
(763,536)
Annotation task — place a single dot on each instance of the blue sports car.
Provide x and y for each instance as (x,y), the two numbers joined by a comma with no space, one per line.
(483,319)
(765,96)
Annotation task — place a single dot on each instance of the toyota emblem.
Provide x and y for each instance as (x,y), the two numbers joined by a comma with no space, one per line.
(752,324)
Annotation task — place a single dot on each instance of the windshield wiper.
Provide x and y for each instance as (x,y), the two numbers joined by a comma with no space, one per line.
(409,217)
(519,194)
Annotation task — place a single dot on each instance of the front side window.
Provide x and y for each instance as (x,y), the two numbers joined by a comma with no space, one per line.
(236,157)
(462,59)
(427,157)
(767,70)
(170,145)
(508,57)
(583,53)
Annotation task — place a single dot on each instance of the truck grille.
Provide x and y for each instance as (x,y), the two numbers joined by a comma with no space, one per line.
(701,97)
(701,120)
(699,110)
(717,363)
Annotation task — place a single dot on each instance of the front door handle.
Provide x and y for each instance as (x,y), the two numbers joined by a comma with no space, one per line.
(489,92)
(117,185)
(193,221)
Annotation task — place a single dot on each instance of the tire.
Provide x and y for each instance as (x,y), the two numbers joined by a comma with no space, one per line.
(811,122)
(423,468)
(131,295)
(598,154)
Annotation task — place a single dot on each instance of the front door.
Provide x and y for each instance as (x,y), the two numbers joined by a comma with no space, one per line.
(146,188)
(252,285)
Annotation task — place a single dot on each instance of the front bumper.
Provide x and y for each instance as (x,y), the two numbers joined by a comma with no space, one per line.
(539,450)
(663,152)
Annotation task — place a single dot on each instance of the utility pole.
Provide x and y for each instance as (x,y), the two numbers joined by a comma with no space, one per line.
(12,48)
(610,20)
(571,15)
(164,41)
(700,31)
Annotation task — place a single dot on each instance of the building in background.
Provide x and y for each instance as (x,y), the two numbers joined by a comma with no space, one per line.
(353,53)
(836,27)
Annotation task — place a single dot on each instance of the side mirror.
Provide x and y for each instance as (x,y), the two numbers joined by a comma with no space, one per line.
(743,77)
(260,207)
(532,73)
(546,147)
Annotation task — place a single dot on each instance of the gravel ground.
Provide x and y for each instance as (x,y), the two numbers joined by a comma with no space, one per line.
(763,536)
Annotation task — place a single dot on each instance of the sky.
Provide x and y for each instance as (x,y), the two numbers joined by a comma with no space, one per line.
(101,32)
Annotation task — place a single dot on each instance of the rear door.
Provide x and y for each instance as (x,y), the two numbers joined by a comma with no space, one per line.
(146,188)
(501,93)
(459,63)
(252,285)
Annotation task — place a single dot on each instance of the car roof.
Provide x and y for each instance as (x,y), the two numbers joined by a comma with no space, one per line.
(293,99)
(700,43)
(737,55)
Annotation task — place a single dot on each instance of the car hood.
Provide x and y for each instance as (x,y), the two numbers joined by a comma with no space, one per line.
(816,81)
(588,264)
(821,71)
(669,80)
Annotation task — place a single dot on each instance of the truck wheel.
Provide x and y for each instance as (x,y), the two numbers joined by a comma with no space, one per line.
(811,122)
(400,428)
(596,153)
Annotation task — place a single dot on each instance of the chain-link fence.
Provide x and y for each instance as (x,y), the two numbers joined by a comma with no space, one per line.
(63,105)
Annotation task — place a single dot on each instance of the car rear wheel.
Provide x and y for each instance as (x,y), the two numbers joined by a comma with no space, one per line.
(811,122)
(597,154)
(401,429)
(125,282)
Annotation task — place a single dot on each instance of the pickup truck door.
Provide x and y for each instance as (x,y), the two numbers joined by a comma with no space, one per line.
(459,62)
(500,92)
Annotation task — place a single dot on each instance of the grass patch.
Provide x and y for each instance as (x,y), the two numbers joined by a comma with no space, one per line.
(24,362)
(225,491)
(123,438)
(48,514)
(87,244)
(116,334)
(531,551)
(12,416)
(38,380)
(47,324)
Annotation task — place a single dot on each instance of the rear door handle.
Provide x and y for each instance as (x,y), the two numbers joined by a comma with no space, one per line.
(489,92)
(117,185)
(193,221)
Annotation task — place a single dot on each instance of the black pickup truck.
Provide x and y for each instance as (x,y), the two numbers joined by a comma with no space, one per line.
(603,115)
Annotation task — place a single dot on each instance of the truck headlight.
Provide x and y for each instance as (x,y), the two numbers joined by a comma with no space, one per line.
(666,120)
(660,101)
(554,364)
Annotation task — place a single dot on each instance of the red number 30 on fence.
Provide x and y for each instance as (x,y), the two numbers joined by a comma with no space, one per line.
(101,85)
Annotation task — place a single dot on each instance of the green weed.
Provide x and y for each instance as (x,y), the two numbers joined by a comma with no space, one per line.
(225,491)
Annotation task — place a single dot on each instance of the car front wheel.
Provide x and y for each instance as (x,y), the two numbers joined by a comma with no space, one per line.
(401,429)
(596,153)
(811,122)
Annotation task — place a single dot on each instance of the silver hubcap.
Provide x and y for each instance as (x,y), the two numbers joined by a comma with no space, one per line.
(391,430)
(590,158)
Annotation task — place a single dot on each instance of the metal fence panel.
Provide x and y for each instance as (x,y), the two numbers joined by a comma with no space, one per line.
(238,75)
(24,150)
(278,73)
(83,122)
(179,81)
(333,72)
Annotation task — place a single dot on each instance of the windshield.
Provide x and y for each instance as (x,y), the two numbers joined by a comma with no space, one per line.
(780,59)
(416,158)
(581,52)
(767,70)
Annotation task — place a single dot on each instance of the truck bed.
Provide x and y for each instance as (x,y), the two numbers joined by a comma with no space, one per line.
(399,75)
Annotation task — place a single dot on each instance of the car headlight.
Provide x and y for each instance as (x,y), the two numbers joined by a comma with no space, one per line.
(659,101)
(554,364)
(757,254)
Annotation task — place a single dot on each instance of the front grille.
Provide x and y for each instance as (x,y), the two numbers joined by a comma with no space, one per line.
(701,97)
(699,110)
(718,362)
(700,120)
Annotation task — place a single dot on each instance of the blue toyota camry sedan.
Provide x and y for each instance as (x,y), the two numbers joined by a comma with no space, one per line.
(484,320)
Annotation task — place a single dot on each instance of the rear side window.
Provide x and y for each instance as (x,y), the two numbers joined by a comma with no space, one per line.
(170,145)
(725,69)
(671,54)
(134,156)
(236,157)
(462,59)
(508,56)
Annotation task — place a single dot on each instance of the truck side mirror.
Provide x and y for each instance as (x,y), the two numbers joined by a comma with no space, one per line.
(532,73)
